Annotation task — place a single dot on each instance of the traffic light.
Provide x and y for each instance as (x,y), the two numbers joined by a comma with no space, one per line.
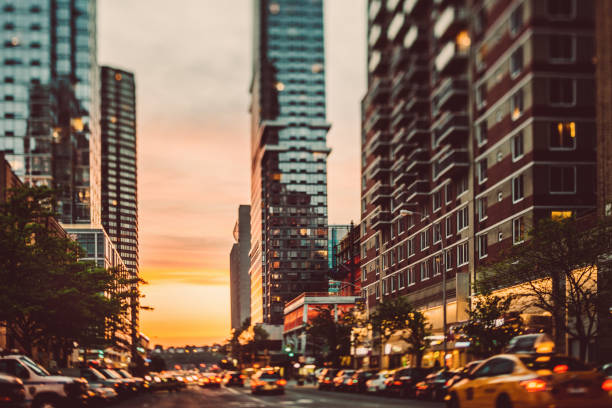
(289,350)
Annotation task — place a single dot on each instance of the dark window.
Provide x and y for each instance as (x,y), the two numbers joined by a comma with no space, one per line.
(561,47)
(517,146)
(562,179)
(8,8)
(561,91)
(9,26)
(560,8)
(516,62)
(516,19)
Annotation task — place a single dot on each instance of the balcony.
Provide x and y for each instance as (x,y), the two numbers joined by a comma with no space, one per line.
(400,86)
(397,27)
(378,143)
(400,119)
(380,193)
(398,164)
(418,161)
(378,165)
(452,58)
(451,94)
(376,11)
(378,92)
(417,191)
(414,6)
(450,21)
(451,128)
(399,57)
(418,101)
(380,218)
(377,37)
(415,39)
(378,119)
(453,162)
(417,71)
(418,131)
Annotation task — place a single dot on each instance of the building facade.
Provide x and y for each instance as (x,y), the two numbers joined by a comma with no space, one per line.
(49,56)
(240,281)
(347,265)
(478,121)
(336,234)
(288,156)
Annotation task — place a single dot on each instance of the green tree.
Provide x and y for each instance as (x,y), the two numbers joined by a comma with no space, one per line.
(330,336)
(397,317)
(557,269)
(489,327)
(47,298)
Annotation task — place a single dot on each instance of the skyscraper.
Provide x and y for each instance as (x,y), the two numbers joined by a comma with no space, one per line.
(48,57)
(119,169)
(240,282)
(288,156)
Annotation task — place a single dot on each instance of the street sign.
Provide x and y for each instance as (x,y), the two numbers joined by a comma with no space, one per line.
(334,286)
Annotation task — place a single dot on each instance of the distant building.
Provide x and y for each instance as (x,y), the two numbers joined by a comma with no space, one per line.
(335,235)
(240,281)
(288,156)
(347,267)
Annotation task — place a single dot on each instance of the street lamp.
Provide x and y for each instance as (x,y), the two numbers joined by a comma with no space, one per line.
(405,213)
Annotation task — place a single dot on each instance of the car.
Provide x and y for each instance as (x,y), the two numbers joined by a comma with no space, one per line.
(376,384)
(404,380)
(12,392)
(139,382)
(463,372)
(94,378)
(100,395)
(210,380)
(340,381)
(268,381)
(125,387)
(434,386)
(357,383)
(529,380)
(233,378)
(43,389)
(326,378)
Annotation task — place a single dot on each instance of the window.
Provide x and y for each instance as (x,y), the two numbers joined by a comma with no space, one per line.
(482,171)
(385,287)
(411,276)
(517,105)
(518,230)
(462,185)
(400,280)
(517,146)
(424,238)
(516,20)
(449,259)
(561,91)
(563,179)
(561,48)
(561,9)
(482,245)
(462,254)
(437,263)
(377,291)
(392,255)
(517,189)
(392,283)
(437,233)
(449,226)
(516,62)
(563,135)
(448,193)
(482,208)
(410,247)
(462,219)
(481,133)
(424,270)
(436,199)
(481,96)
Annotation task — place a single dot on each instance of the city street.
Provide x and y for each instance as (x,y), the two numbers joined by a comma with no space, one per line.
(241,397)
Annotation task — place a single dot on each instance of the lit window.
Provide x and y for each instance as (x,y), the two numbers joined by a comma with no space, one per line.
(280,86)
(118,77)
(517,105)
(274,8)
(562,135)
(560,215)
(463,40)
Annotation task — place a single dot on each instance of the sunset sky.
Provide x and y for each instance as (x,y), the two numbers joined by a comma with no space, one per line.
(192,60)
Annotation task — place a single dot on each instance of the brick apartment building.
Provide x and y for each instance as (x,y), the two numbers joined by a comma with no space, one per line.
(479,119)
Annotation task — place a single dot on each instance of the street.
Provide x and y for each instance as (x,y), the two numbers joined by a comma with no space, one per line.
(294,397)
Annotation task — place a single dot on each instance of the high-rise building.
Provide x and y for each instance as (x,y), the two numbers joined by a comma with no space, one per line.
(288,156)
(477,122)
(48,52)
(119,170)
(240,281)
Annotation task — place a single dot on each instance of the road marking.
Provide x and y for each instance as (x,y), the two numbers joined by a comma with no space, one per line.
(259,401)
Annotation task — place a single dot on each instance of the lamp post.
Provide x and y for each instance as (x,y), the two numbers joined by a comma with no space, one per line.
(405,213)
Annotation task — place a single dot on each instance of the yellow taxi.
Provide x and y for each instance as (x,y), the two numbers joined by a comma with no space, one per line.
(525,380)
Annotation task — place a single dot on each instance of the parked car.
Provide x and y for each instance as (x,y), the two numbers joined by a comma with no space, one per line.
(434,386)
(267,381)
(340,381)
(42,388)
(12,392)
(100,395)
(140,382)
(376,383)
(125,388)
(463,372)
(404,380)
(326,378)
(357,383)
(233,378)
(531,380)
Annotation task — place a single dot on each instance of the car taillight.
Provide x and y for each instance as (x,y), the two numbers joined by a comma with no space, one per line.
(243,376)
(607,385)
(397,383)
(561,368)
(534,385)
(448,383)
(421,386)
(282,382)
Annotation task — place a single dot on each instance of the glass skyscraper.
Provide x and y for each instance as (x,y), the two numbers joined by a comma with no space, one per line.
(289,156)
(48,100)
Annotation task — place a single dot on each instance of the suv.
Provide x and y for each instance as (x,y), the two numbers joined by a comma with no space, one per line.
(404,381)
(326,378)
(12,392)
(42,388)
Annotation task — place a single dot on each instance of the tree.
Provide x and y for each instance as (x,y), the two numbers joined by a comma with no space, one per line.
(397,317)
(489,327)
(330,337)
(48,299)
(556,269)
